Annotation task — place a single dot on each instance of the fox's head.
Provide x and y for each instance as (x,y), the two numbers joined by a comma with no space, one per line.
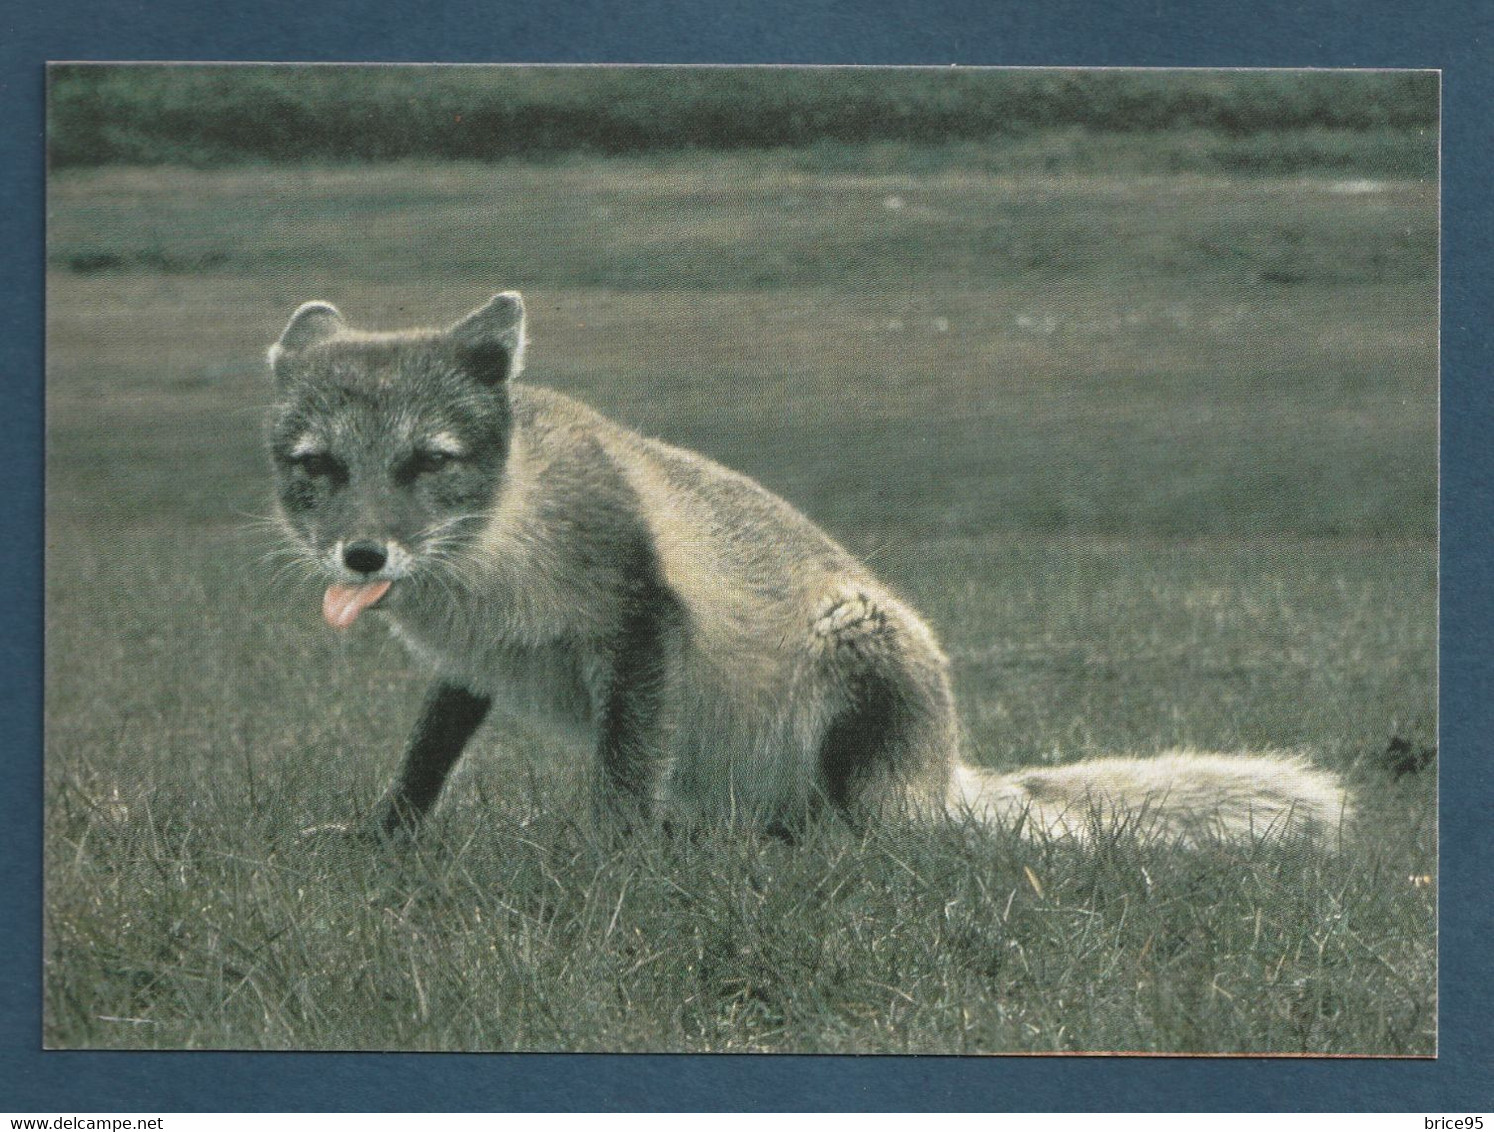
(389,448)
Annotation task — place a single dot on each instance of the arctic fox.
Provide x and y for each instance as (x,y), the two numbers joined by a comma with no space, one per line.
(723,658)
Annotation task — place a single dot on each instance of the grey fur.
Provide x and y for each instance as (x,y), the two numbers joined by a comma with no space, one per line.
(723,657)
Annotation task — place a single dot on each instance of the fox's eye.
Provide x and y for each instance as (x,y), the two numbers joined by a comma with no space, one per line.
(320,464)
(424,463)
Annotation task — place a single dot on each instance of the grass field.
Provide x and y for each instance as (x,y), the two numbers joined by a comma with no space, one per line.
(1156,454)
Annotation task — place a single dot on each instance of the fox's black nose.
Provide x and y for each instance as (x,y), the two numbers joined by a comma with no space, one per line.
(364,556)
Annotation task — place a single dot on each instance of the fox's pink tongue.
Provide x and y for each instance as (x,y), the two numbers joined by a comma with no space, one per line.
(342,604)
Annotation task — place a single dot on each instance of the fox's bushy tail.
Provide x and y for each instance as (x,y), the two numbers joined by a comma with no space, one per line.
(1181,796)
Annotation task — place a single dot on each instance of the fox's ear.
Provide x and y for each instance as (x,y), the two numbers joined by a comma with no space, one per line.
(490,341)
(312,323)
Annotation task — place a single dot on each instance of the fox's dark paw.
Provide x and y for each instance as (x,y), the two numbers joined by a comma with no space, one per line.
(391,827)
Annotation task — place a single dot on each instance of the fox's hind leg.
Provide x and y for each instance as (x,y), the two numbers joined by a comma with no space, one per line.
(890,737)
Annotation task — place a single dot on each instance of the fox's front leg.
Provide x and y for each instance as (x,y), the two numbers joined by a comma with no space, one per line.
(629,720)
(448,718)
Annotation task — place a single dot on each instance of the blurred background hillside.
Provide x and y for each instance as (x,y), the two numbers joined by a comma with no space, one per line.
(209,115)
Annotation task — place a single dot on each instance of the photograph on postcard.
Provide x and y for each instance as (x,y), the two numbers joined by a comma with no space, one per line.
(711,559)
